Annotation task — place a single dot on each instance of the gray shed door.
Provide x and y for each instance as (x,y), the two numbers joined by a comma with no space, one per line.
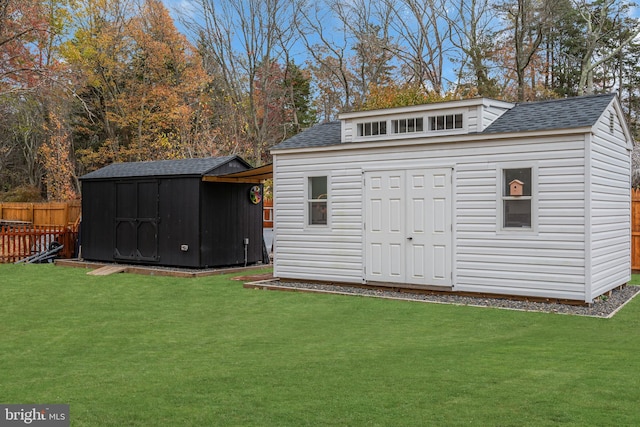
(136,225)
(408,236)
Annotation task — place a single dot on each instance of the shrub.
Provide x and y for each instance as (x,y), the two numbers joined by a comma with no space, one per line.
(23,193)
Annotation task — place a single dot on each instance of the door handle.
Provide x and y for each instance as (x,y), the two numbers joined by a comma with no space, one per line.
(409,238)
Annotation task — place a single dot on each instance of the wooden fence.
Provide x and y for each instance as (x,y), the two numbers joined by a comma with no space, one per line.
(51,213)
(18,242)
(267,213)
(27,228)
(30,228)
(635,229)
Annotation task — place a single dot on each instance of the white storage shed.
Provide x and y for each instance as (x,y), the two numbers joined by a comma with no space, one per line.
(475,195)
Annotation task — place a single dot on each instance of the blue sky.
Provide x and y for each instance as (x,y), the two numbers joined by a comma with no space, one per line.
(177,5)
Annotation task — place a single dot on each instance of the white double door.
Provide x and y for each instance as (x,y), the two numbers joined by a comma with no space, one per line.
(408,233)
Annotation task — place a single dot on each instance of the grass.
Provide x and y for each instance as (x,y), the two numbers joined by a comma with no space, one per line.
(130,350)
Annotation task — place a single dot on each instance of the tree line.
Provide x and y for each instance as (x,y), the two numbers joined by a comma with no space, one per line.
(84,83)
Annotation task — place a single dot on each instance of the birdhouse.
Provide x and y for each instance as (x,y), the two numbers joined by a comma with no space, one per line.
(515,187)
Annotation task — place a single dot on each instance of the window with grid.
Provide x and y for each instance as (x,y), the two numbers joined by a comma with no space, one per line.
(372,128)
(445,122)
(317,200)
(516,198)
(409,125)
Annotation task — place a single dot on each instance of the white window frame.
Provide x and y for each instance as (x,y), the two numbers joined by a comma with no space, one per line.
(427,125)
(361,128)
(500,198)
(395,125)
(308,200)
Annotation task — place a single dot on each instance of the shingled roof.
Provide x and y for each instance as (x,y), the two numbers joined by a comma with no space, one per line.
(567,113)
(318,136)
(183,167)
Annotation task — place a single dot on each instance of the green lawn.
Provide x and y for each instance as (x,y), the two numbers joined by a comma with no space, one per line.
(157,351)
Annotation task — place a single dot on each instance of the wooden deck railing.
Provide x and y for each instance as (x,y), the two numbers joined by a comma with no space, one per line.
(18,242)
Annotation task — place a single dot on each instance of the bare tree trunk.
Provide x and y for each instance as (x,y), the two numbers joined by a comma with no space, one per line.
(328,50)
(596,18)
(421,34)
(472,23)
(260,28)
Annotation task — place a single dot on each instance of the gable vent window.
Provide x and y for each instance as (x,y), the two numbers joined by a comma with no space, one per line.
(408,125)
(372,128)
(612,123)
(445,122)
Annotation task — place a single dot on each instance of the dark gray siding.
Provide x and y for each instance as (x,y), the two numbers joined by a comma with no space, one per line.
(96,234)
(166,215)
(179,222)
(227,218)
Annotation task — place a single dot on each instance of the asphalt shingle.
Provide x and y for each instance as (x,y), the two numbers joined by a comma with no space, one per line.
(564,113)
(567,113)
(319,135)
(159,168)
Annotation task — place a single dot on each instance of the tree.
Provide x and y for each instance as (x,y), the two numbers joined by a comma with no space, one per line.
(99,53)
(22,134)
(287,103)
(421,32)
(400,95)
(472,24)
(297,100)
(143,85)
(329,61)
(239,41)
(368,32)
(33,78)
(528,20)
(57,161)
(163,89)
(602,21)
(561,50)
(23,25)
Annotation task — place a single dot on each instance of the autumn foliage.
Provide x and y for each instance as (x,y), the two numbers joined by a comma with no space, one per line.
(55,156)
(394,95)
(85,83)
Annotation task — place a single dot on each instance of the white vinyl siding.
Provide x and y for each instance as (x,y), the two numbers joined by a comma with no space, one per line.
(610,208)
(548,263)
(489,114)
(477,115)
(473,117)
(348,130)
(578,248)
(317,253)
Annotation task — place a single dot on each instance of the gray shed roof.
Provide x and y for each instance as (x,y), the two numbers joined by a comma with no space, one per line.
(184,167)
(564,113)
(567,113)
(317,136)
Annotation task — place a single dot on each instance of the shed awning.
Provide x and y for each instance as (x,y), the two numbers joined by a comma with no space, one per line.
(255,175)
